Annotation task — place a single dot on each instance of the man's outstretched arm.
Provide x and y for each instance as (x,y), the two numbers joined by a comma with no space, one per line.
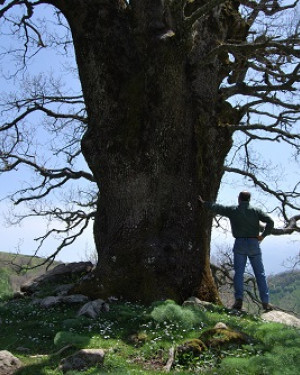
(215,207)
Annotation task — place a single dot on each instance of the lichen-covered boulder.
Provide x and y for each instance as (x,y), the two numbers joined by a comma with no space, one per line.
(222,336)
(193,346)
(189,349)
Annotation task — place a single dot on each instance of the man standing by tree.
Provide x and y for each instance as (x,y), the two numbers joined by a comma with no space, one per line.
(244,221)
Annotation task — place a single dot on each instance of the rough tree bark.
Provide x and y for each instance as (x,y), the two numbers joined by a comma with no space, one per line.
(155,139)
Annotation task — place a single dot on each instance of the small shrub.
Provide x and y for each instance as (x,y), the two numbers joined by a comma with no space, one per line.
(170,312)
(63,338)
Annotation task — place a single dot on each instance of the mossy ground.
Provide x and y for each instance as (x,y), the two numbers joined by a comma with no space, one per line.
(138,339)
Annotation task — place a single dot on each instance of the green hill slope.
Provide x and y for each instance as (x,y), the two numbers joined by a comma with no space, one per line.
(285,290)
(16,269)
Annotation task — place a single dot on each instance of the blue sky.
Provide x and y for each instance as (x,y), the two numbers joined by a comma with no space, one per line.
(20,238)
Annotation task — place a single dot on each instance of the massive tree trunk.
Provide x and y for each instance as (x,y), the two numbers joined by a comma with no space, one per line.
(155,140)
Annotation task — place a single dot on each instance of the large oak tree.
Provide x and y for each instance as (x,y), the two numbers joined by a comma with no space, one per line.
(165,84)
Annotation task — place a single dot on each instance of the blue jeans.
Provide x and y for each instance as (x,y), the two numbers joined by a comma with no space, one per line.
(243,249)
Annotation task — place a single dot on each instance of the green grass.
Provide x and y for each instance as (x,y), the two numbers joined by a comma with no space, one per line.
(138,338)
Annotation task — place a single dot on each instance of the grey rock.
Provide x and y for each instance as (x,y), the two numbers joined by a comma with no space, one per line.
(8,363)
(93,309)
(74,298)
(63,289)
(58,274)
(281,317)
(82,359)
(220,325)
(51,301)
(202,305)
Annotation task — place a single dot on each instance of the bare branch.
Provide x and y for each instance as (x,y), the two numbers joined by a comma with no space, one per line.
(51,173)
(201,11)
(291,227)
(272,129)
(250,49)
(8,6)
(281,196)
(79,227)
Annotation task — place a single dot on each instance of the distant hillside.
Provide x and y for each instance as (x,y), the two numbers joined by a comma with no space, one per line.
(285,290)
(16,269)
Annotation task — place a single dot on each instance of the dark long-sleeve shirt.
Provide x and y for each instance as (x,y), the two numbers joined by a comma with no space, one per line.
(244,219)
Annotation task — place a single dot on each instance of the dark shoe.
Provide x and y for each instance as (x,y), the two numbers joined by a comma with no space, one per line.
(238,304)
(267,306)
